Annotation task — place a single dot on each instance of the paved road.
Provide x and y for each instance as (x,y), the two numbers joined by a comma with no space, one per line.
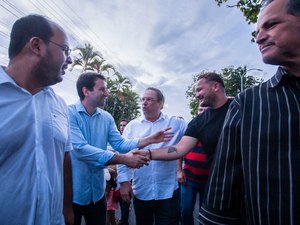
(132,216)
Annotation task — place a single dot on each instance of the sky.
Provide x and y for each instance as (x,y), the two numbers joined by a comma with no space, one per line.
(152,42)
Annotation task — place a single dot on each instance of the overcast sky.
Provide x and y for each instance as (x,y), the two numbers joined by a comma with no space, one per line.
(152,42)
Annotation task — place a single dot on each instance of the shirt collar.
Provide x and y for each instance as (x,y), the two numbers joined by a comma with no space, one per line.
(161,117)
(278,77)
(80,108)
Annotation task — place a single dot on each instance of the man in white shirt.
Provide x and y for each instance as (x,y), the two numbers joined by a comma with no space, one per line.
(155,187)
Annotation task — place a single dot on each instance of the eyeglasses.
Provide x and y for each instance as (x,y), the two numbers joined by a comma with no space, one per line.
(148,99)
(64,48)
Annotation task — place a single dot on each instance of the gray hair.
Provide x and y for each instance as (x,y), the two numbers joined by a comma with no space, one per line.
(292,6)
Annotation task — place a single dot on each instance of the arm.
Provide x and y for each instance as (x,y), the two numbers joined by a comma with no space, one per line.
(84,151)
(173,152)
(68,194)
(132,159)
(157,137)
(180,172)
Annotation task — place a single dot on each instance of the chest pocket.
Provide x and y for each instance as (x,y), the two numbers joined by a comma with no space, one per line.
(59,126)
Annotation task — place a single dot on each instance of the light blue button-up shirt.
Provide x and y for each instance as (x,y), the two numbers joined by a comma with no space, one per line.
(158,180)
(34,136)
(90,136)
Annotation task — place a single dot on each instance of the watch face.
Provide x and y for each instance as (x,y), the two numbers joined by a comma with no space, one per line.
(107,174)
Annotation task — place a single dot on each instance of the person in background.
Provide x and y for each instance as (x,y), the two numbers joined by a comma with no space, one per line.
(35,168)
(91,130)
(155,187)
(255,178)
(125,206)
(192,175)
(112,197)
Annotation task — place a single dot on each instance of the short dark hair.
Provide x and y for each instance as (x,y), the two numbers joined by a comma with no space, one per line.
(211,76)
(292,6)
(87,80)
(24,29)
(159,94)
(126,120)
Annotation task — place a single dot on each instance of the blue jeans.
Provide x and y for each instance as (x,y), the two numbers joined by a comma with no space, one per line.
(188,194)
(163,212)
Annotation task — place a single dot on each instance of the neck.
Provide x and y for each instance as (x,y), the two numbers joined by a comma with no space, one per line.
(220,102)
(90,109)
(152,118)
(23,76)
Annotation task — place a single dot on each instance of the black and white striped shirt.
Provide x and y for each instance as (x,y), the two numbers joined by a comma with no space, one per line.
(255,177)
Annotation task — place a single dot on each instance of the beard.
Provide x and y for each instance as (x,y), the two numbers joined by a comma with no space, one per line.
(47,72)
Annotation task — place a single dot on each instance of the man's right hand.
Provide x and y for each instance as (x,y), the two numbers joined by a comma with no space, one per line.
(134,159)
(126,191)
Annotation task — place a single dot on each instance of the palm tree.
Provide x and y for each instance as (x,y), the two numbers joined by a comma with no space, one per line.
(116,88)
(99,65)
(87,57)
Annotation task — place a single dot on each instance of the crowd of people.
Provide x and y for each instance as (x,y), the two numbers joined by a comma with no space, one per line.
(241,155)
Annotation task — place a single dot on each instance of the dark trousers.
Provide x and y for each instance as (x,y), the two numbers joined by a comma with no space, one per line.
(163,212)
(124,212)
(94,214)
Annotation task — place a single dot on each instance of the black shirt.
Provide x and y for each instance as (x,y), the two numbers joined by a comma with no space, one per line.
(207,127)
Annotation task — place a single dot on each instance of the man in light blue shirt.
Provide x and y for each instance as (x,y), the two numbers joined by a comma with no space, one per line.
(155,187)
(91,130)
(34,127)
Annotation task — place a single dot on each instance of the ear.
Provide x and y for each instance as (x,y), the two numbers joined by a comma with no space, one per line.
(36,45)
(216,86)
(85,91)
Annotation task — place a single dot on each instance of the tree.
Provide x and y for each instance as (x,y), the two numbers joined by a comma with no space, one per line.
(122,101)
(249,8)
(232,79)
(90,60)
(86,58)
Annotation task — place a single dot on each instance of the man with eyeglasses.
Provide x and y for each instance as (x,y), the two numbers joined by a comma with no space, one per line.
(35,169)
(155,187)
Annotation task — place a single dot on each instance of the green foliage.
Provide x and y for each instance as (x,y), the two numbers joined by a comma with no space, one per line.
(122,102)
(232,79)
(249,8)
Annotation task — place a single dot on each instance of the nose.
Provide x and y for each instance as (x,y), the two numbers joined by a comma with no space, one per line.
(69,59)
(261,37)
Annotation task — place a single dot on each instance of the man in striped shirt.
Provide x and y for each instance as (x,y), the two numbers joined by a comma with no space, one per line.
(255,177)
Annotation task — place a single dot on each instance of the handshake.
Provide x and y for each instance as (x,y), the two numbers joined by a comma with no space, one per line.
(136,158)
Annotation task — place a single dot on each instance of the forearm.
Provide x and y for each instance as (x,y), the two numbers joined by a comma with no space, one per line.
(117,159)
(167,153)
(143,142)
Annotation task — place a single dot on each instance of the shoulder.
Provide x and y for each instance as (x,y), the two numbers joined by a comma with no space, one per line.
(58,100)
